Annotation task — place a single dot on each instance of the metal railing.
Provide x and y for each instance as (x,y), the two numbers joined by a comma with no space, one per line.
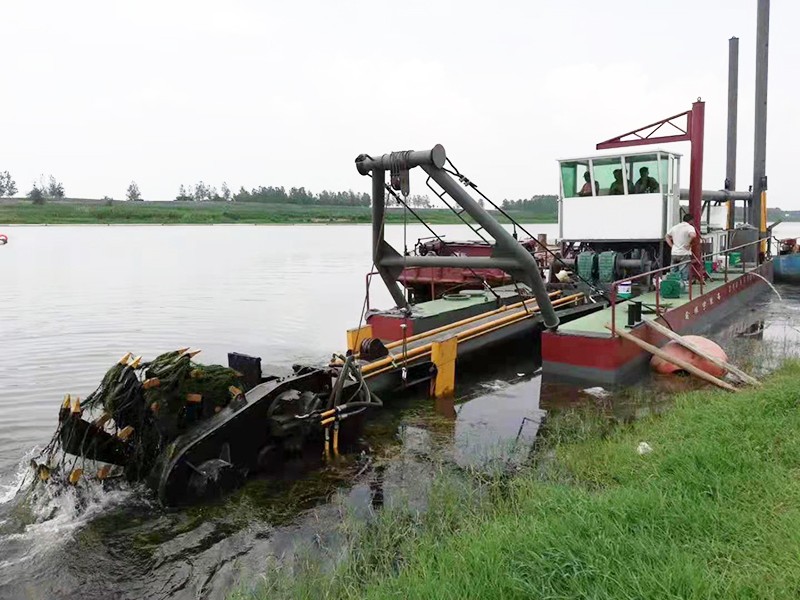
(691,262)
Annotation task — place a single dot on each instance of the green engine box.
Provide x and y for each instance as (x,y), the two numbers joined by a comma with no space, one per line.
(607,266)
(587,266)
(671,286)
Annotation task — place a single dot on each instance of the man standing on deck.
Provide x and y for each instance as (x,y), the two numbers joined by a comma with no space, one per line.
(680,239)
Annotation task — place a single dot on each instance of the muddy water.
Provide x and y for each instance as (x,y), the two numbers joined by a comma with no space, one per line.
(76,298)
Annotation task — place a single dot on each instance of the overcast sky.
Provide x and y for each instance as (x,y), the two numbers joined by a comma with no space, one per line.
(288,93)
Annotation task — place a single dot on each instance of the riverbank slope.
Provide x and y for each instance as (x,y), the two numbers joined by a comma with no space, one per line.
(713,511)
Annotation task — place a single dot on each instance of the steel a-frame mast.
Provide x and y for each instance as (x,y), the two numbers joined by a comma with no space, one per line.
(507,255)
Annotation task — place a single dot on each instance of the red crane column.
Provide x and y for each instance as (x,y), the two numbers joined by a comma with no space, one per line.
(696,133)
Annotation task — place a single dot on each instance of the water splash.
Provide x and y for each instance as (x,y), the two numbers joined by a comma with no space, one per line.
(46,516)
(769,283)
(11,483)
(494,386)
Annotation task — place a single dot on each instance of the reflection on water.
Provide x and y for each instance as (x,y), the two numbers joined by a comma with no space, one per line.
(445,407)
(764,334)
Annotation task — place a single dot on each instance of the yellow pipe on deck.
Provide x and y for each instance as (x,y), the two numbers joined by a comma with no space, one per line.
(358,334)
(492,325)
(444,328)
(374,368)
(388,360)
(472,334)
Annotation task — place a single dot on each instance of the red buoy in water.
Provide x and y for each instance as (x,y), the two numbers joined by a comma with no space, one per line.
(659,365)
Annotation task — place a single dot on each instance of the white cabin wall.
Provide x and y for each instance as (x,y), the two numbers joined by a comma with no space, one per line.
(634,217)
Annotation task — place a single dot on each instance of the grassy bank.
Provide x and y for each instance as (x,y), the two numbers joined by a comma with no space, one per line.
(712,512)
(207,213)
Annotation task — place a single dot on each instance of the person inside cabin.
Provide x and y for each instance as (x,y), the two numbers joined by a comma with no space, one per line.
(680,238)
(618,187)
(645,184)
(586,190)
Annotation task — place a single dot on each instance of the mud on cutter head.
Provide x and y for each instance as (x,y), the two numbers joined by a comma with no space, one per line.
(190,430)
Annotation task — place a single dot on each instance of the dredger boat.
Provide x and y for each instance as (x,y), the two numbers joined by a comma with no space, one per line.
(192,431)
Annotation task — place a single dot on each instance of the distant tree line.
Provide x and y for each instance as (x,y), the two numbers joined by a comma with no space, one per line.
(535,205)
(414,201)
(46,189)
(133,193)
(279,195)
(8,187)
(202,192)
(49,188)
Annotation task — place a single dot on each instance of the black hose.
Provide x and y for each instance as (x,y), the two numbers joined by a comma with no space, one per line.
(339,385)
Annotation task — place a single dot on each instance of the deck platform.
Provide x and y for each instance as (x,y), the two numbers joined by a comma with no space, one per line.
(594,324)
(425,316)
(585,350)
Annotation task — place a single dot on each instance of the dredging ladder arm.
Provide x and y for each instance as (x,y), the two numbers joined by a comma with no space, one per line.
(507,255)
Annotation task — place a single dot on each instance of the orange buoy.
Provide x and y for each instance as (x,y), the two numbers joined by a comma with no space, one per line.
(659,365)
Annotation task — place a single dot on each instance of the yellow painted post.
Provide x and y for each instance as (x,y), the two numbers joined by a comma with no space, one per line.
(763,221)
(358,335)
(443,356)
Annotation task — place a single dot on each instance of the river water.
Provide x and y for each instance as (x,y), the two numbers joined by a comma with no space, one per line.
(76,298)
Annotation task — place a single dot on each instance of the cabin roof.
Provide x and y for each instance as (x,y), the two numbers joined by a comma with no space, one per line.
(619,152)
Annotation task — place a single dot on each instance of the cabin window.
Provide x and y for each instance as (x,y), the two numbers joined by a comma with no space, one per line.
(573,179)
(653,181)
(604,169)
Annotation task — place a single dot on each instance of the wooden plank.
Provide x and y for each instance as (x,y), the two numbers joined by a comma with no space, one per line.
(667,332)
(675,361)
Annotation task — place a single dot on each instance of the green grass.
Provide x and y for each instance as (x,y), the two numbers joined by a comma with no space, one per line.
(175,213)
(712,512)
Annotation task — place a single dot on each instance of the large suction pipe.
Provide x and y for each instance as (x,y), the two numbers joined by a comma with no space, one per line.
(719,195)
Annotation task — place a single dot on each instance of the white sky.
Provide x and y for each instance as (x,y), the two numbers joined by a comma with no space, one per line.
(288,93)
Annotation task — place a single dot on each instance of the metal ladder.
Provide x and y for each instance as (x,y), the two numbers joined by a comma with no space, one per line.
(443,197)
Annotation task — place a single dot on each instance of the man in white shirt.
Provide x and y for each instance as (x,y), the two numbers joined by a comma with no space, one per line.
(680,239)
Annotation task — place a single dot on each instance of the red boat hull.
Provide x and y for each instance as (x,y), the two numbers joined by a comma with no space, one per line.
(613,360)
